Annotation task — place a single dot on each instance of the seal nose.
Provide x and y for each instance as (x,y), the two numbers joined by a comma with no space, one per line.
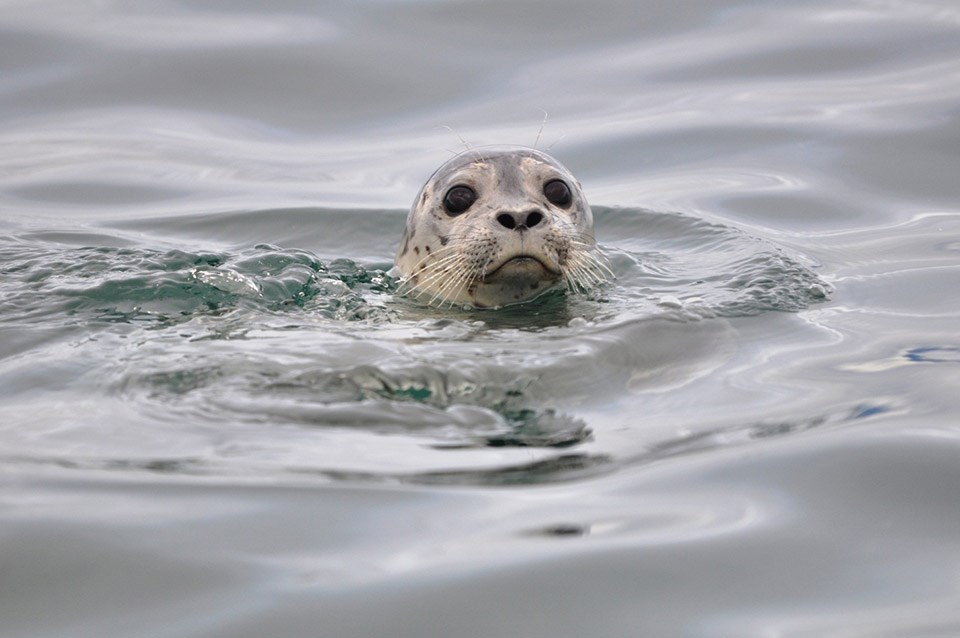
(520,221)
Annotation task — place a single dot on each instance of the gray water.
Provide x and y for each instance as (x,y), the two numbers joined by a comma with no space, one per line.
(217,418)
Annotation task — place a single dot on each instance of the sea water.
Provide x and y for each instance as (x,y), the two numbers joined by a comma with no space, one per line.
(218,418)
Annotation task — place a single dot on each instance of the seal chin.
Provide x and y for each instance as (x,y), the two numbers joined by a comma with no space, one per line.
(514,280)
(517,279)
(522,268)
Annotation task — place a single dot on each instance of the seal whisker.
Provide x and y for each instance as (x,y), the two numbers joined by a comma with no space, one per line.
(557,141)
(459,274)
(536,142)
(574,284)
(598,272)
(452,288)
(464,280)
(576,280)
(465,143)
(419,286)
(590,264)
(429,264)
(425,265)
(424,286)
(601,262)
(454,268)
(592,258)
(451,264)
(586,270)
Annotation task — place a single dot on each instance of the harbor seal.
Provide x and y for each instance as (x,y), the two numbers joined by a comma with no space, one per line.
(497,226)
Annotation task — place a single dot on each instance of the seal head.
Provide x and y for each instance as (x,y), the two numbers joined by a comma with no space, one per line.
(495,226)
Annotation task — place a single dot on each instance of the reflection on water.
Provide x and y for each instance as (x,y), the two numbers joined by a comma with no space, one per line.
(219,417)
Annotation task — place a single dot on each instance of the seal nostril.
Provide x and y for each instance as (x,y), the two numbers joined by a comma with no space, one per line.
(520,221)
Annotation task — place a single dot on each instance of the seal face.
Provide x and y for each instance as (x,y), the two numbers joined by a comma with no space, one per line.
(495,226)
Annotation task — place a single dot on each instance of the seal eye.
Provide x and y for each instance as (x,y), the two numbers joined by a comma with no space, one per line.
(558,193)
(458,199)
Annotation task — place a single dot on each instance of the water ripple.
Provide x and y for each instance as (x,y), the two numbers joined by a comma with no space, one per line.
(263,338)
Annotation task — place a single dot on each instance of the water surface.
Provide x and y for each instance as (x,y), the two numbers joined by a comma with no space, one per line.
(217,418)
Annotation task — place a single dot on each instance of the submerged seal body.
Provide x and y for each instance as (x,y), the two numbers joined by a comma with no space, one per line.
(498,226)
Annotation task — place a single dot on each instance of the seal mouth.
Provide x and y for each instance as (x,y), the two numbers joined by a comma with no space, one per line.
(523,266)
